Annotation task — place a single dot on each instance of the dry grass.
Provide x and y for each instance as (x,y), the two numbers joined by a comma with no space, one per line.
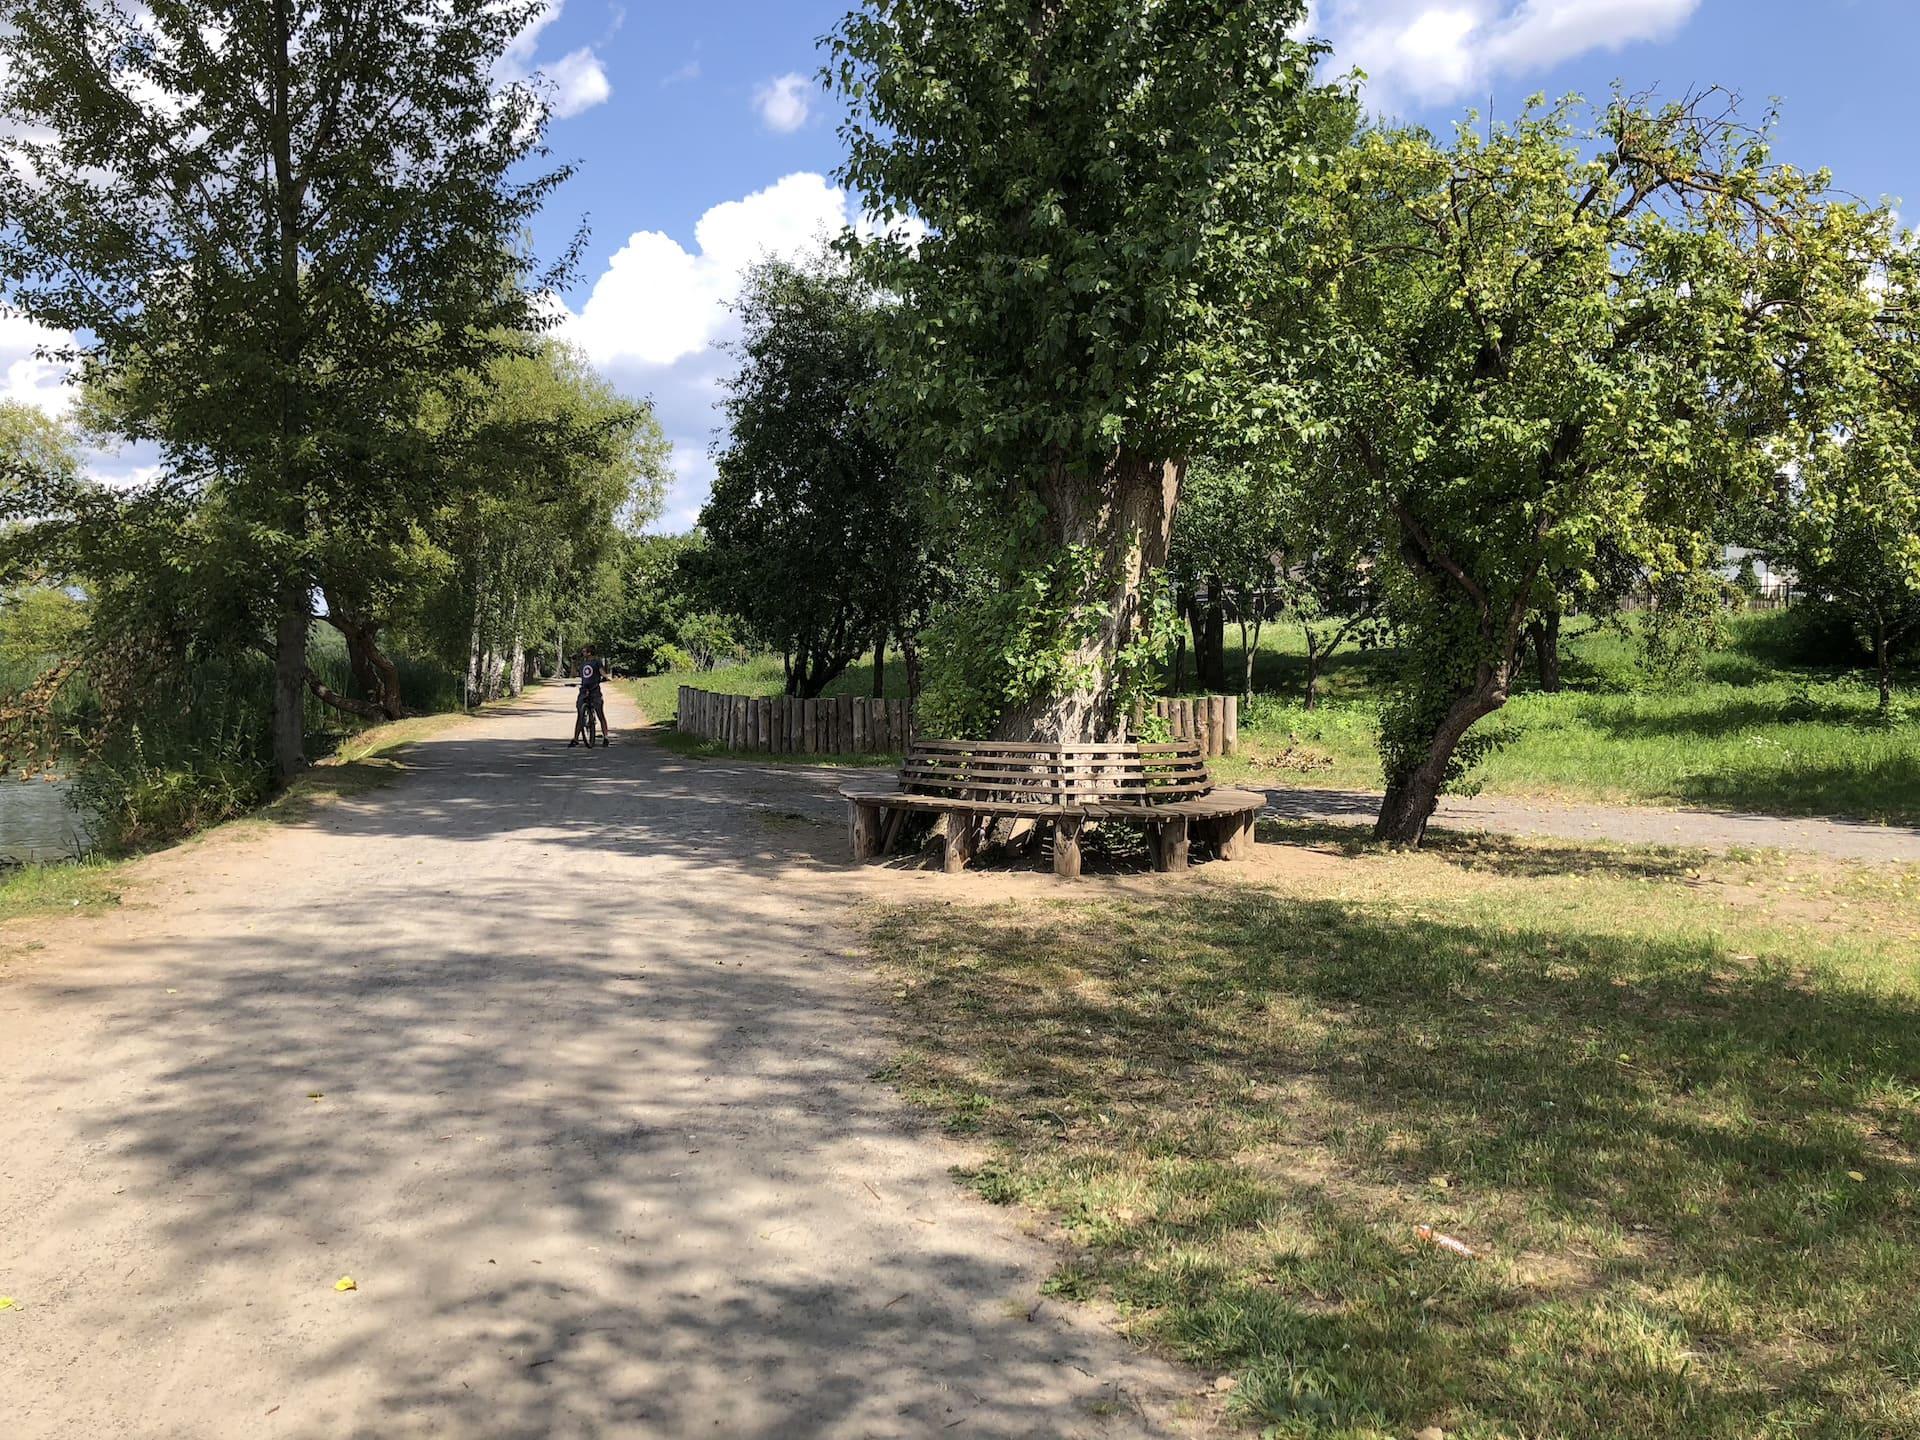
(1640,1084)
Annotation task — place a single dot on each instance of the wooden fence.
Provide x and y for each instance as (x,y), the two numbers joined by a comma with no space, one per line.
(856,725)
(1213,720)
(784,725)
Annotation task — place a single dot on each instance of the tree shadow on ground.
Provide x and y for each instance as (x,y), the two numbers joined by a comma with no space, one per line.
(1238,1099)
(572,1145)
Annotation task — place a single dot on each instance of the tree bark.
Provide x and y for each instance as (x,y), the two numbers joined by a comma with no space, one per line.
(345,704)
(880,665)
(1545,634)
(1124,516)
(1314,658)
(1210,641)
(373,670)
(289,684)
(1410,800)
(1883,659)
(910,653)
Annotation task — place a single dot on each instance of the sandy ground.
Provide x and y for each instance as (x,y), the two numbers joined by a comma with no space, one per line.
(561,1056)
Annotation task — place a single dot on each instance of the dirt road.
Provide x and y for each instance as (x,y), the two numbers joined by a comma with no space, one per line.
(559,1056)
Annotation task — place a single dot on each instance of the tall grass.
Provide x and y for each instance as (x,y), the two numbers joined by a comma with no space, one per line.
(199,753)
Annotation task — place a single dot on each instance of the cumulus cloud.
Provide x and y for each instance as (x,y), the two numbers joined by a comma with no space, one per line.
(658,302)
(784,102)
(26,377)
(577,80)
(659,312)
(1434,51)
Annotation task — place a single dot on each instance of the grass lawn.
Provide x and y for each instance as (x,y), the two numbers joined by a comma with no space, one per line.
(56,888)
(1749,733)
(1670,1101)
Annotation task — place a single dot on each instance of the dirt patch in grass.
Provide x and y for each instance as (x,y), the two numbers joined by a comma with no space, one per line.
(1671,1107)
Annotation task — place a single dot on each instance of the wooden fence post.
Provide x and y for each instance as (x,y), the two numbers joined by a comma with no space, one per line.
(1230,740)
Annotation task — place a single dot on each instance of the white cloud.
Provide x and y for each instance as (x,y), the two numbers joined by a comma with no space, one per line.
(785,102)
(658,314)
(579,82)
(687,72)
(576,81)
(658,302)
(1434,51)
(24,376)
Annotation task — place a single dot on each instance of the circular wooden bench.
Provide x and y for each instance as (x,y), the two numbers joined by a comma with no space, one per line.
(1058,788)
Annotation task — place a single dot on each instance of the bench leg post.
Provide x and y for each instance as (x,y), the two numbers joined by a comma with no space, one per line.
(864,823)
(1237,837)
(1066,848)
(1170,844)
(959,841)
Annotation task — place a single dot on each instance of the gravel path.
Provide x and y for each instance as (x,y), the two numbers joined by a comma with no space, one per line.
(558,1055)
(1630,825)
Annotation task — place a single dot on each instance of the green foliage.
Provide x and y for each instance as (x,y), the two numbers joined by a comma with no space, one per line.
(1539,359)
(302,234)
(817,531)
(1847,516)
(1099,183)
(657,624)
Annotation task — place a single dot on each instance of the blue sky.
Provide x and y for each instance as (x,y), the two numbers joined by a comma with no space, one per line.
(702,141)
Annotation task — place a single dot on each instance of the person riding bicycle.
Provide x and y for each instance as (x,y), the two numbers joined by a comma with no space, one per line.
(590,704)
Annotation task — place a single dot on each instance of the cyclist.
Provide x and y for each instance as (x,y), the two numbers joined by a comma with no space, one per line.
(590,705)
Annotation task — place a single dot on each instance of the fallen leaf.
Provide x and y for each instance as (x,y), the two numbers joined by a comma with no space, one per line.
(1439,1182)
(1856,1177)
(7,1303)
(345,1282)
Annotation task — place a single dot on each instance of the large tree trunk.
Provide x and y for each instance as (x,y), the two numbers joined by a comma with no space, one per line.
(1410,800)
(880,665)
(289,685)
(1545,634)
(345,704)
(374,672)
(1125,518)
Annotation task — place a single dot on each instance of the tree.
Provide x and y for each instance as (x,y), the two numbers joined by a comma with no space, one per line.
(657,621)
(553,466)
(277,230)
(1526,350)
(815,527)
(1097,182)
(1847,510)
(1229,535)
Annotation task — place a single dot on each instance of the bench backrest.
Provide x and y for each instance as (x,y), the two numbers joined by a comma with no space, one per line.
(1002,772)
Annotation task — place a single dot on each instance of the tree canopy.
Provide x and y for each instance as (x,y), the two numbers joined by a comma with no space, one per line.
(277,230)
(1095,184)
(1528,352)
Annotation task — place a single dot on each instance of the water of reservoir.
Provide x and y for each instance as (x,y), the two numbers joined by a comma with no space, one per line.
(37,823)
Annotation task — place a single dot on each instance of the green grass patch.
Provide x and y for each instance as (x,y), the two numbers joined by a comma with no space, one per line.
(1751,732)
(1671,1102)
(364,760)
(59,888)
